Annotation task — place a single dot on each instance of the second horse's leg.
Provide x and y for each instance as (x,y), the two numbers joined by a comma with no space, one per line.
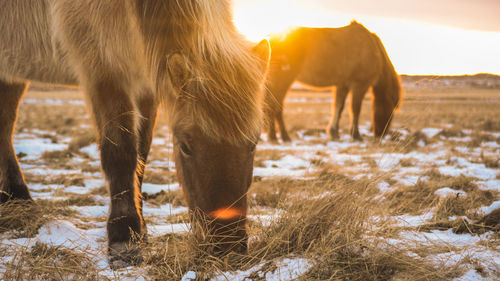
(279,117)
(337,108)
(358,94)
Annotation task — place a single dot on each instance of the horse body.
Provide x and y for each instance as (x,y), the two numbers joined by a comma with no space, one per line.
(350,58)
(130,56)
(32,50)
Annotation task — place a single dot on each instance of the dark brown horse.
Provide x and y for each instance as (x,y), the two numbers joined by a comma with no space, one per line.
(130,56)
(351,58)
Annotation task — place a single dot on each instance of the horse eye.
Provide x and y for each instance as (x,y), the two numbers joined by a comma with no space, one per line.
(185,149)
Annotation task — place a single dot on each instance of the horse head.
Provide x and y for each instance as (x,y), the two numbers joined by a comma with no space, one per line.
(215,130)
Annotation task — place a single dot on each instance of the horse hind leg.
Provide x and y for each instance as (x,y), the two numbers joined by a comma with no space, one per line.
(337,108)
(12,185)
(358,94)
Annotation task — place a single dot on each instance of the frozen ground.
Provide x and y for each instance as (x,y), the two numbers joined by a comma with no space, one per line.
(387,167)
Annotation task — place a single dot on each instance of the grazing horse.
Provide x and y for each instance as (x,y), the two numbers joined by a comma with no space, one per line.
(130,56)
(350,58)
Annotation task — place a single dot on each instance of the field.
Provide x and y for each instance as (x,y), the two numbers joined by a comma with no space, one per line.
(422,204)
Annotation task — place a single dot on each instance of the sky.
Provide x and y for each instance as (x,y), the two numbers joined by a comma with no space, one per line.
(441,37)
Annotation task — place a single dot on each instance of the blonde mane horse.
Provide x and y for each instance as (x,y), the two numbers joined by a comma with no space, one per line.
(350,58)
(130,56)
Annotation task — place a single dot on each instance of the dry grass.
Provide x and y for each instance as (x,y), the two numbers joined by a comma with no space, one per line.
(26,218)
(61,179)
(174,197)
(333,231)
(327,217)
(85,138)
(45,262)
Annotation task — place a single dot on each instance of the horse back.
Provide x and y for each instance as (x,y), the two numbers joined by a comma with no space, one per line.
(59,41)
(339,56)
(28,49)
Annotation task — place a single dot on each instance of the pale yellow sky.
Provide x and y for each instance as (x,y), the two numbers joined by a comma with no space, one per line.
(444,37)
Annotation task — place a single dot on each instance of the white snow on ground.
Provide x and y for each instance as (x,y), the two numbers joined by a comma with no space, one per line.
(409,221)
(163,210)
(287,166)
(77,189)
(53,101)
(157,230)
(489,185)
(34,147)
(295,163)
(431,132)
(92,150)
(490,144)
(92,211)
(288,162)
(473,170)
(471,275)
(155,188)
(58,233)
(287,269)
(408,180)
(448,192)
(47,171)
(488,209)
(94,183)
(440,237)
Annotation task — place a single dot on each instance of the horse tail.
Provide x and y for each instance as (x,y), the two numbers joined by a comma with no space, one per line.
(387,92)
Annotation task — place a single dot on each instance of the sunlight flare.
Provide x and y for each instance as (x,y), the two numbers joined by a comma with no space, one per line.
(416,47)
(226,213)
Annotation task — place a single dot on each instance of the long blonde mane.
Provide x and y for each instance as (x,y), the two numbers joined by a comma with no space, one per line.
(227,105)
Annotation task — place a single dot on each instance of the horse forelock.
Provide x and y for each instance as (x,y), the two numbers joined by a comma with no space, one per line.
(227,102)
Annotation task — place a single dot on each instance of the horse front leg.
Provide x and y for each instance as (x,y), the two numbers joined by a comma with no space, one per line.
(12,185)
(269,120)
(281,123)
(148,109)
(337,108)
(116,121)
(358,94)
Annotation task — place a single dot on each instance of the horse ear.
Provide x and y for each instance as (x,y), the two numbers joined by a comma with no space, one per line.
(178,70)
(263,51)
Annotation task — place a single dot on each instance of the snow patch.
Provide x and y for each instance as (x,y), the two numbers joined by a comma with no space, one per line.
(448,192)
(155,188)
(92,150)
(487,210)
(431,132)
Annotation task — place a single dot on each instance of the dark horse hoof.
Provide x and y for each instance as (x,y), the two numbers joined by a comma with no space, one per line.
(124,254)
(286,138)
(334,137)
(333,134)
(357,137)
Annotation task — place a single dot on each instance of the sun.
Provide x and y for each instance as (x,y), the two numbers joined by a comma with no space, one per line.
(257,18)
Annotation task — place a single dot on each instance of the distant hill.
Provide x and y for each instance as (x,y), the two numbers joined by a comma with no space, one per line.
(482,80)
